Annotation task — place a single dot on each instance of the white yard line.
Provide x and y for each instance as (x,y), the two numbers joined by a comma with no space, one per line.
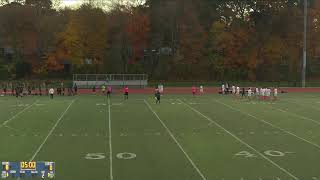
(110,141)
(16,115)
(176,141)
(297,102)
(241,141)
(270,124)
(297,115)
(51,131)
(14,129)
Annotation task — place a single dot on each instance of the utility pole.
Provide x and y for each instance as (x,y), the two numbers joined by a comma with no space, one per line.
(304,63)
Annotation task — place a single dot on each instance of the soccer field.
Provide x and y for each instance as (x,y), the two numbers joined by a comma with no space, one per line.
(210,137)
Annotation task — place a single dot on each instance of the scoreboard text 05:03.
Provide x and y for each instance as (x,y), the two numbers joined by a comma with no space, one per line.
(42,169)
(28,165)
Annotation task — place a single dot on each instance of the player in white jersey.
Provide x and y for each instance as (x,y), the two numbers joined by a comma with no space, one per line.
(233,90)
(249,94)
(257,93)
(51,92)
(275,94)
(201,89)
(238,91)
(268,93)
(262,93)
(223,89)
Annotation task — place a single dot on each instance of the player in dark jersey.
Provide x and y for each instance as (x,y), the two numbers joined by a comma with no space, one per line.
(5,89)
(109,91)
(243,93)
(39,89)
(157,96)
(75,89)
(17,91)
(12,89)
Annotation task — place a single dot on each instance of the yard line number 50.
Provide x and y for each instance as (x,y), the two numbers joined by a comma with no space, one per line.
(99,156)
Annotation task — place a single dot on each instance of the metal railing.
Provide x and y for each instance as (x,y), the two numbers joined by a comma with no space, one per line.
(91,80)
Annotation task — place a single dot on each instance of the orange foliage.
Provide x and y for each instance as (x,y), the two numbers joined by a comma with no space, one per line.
(53,63)
(137,30)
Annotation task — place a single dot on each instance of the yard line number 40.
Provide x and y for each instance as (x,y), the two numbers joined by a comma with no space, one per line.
(271,153)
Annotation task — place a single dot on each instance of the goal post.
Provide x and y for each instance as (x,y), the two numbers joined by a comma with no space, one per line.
(117,80)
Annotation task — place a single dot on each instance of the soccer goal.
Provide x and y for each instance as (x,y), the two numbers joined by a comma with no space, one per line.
(90,80)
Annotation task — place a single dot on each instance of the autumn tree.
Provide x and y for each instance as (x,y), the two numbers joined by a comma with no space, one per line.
(137,29)
(85,37)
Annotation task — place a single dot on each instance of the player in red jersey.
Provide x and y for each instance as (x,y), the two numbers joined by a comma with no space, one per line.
(126,92)
(109,91)
(194,90)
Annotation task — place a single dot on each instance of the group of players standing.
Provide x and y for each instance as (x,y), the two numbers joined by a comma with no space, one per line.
(257,93)
(20,89)
(108,90)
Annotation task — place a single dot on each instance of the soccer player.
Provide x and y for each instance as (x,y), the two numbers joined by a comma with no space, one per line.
(51,92)
(75,89)
(157,96)
(39,88)
(275,94)
(268,93)
(94,90)
(262,93)
(243,92)
(5,89)
(17,91)
(194,90)
(62,88)
(238,91)
(249,94)
(103,89)
(233,90)
(227,88)
(59,91)
(109,91)
(33,89)
(126,93)
(223,89)
(201,89)
(21,90)
(12,89)
(257,93)
(29,90)
(70,90)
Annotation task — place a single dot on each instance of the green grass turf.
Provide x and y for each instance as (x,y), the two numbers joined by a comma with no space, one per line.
(210,137)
